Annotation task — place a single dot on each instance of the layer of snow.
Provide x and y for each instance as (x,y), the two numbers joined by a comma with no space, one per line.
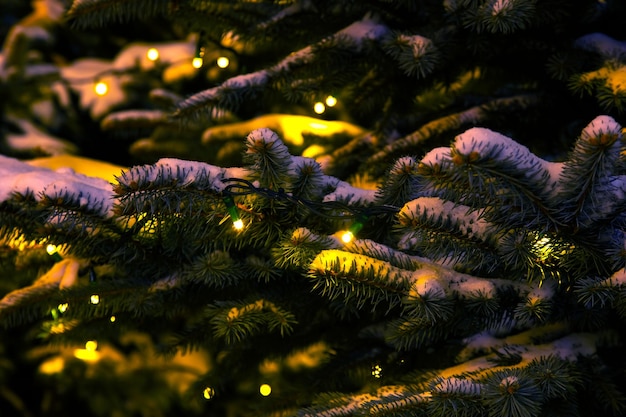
(467,222)
(601,44)
(22,178)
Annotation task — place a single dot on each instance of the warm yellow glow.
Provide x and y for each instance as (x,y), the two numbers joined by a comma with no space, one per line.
(197,62)
(112,319)
(331,101)
(347,237)
(52,366)
(95,299)
(152,54)
(238,224)
(20,243)
(319,107)
(208,393)
(87,355)
(51,249)
(83,165)
(91,345)
(101,88)
(318,126)
(377,371)
(62,307)
(223,62)
(265,390)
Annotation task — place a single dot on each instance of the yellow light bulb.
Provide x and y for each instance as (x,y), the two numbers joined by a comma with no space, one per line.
(331,101)
(101,88)
(197,62)
(152,54)
(319,107)
(62,307)
(51,249)
(208,393)
(91,345)
(112,319)
(347,237)
(265,389)
(95,299)
(238,224)
(223,62)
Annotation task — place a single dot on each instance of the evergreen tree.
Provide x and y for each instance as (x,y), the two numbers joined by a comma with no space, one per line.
(310,208)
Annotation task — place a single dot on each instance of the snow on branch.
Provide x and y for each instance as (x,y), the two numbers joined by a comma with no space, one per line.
(94,194)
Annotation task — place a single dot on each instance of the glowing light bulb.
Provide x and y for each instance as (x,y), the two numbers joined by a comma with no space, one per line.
(319,107)
(101,88)
(208,393)
(62,308)
(232,210)
(95,299)
(152,54)
(112,319)
(197,62)
(347,237)
(223,62)
(331,101)
(377,371)
(265,389)
(238,224)
(91,345)
(52,251)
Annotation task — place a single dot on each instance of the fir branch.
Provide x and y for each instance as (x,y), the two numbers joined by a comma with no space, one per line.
(585,183)
(98,13)
(451,123)
(339,274)
(230,94)
(235,322)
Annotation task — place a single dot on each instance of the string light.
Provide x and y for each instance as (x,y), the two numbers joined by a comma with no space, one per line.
(208,393)
(347,236)
(112,319)
(232,210)
(61,308)
(331,101)
(377,371)
(52,251)
(101,88)
(239,186)
(223,62)
(198,59)
(319,107)
(152,54)
(95,299)
(265,389)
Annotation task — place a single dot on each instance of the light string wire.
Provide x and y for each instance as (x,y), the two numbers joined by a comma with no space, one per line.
(242,187)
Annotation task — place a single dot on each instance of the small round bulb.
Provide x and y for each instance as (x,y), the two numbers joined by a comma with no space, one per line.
(197,62)
(331,101)
(319,107)
(347,237)
(265,389)
(101,88)
(152,54)
(223,62)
